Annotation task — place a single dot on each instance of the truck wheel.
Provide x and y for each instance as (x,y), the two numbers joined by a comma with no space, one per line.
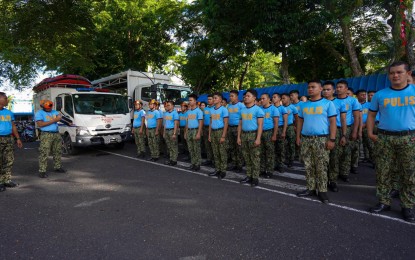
(67,147)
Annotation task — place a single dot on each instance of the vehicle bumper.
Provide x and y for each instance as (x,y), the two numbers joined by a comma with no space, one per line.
(91,140)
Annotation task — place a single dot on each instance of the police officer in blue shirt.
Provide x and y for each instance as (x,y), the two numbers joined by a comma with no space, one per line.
(193,132)
(289,144)
(249,137)
(206,123)
(171,128)
(7,128)
(50,140)
(139,127)
(234,108)
(217,135)
(282,131)
(154,120)
(182,125)
(395,139)
(316,133)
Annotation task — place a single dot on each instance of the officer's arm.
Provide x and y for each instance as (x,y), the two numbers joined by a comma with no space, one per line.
(333,127)
(343,124)
(143,121)
(276,120)
(239,131)
(176,126)
(356,122)
(16,135)
(284,128)
(210,127)
(225,127)
(370,123)
(300,122)
(41,123)
(199,130)
(260,121)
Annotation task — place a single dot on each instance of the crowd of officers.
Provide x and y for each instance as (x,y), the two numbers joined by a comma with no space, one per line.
(264,133)
(325,132)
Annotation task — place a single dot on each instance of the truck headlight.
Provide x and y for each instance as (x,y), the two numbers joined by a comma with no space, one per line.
(82,130)
(128,128)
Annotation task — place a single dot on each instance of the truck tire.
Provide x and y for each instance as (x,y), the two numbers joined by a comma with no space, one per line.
(67,147)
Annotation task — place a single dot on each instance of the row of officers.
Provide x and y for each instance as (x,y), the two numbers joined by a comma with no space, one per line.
(324,132)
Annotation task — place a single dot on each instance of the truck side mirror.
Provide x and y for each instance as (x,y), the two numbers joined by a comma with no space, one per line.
(153,88)
(58,103)
(130,103)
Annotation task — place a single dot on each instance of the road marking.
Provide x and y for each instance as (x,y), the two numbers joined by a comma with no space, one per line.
(270,190)
(90,203)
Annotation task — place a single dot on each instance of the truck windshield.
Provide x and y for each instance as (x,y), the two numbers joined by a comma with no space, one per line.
(175,95)
(100,104)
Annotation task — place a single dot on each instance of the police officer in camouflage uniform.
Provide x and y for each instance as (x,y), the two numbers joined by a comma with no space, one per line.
(217,135)
(289,144)
(50,140)
(316,133)
(234,108)
(139,128)
(171,127)
(182,125)
(282,132)
(249,137)
(7,128)
(395,139)
(269,136)
(206,122)
(295,101)
(153,124)
(193,132)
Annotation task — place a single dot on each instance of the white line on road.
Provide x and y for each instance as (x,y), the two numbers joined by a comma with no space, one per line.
(90,203)
(270,190)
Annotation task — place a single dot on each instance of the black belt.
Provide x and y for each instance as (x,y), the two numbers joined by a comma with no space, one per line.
(151,128)
(169,128)
(233,126)
(5,135)
(290,125)
(313,136)
(267,130)
(205,125)
(50,132)
(189,128)
(398,133)
(137,127)
(217,129)
(253,131)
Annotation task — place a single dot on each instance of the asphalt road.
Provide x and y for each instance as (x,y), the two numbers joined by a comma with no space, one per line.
(111,205)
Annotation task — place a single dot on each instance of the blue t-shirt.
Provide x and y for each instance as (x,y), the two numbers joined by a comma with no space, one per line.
(351,105)
(6,119)
(316,116)
(138,115)
(340,109)
(44,116)
(152,116)
(291,111)
(169,118)
(270,112)
(396,108)
(193,118)
(206,116)
(298,105)
(249,117)
(183,118)
(282,111)
(234,114)
(217,115)
(365,111)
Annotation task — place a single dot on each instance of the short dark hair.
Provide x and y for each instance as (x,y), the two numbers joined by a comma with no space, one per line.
(295,91)
(399,63)
(371,91)
(218,94)
(253,92)
(413,73)
(210,95)
(343,81)
(314,81)
(266,94)
(170,102)
(203,102)
(329,82)
(360,91)
(225,99)
(278,94)
(234,91)
(193,96)
(285,94)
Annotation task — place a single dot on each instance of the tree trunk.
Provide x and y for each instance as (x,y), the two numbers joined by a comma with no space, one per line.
(241,79)
(347,38)
(284,68)
(410,30)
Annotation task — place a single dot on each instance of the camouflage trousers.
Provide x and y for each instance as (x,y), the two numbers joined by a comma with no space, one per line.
(50,142)
(267,152)
(208,145)
(251,153)
(340,157)
(368,146)
(235,152)
(172,146)
(399,152)
(162,143)
(153,143)
(289,144)
(316,161)
(7,158)
(194,147)
(140,141)
(183,141)
(354,153)
(219,150)
(279,149)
